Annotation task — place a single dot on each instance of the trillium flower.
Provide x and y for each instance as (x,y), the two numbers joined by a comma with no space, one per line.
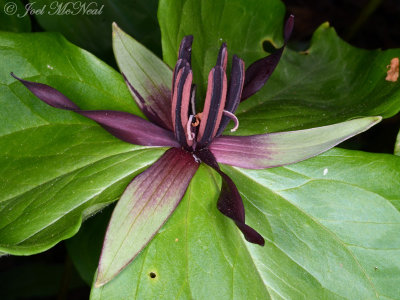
(192,137)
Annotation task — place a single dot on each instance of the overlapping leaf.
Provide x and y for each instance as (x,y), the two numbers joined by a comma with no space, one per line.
(14,16)
(57,167)
(88,24)
(328,221)
(329,83)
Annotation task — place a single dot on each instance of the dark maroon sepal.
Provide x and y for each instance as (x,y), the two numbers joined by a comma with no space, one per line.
(230,202)
(130,128)
(288,28)
(48,94)
(122,125)
(259,72)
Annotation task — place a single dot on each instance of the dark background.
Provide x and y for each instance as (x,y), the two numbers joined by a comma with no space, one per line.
(368,24)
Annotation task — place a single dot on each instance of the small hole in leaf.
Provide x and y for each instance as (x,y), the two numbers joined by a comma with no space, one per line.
(268,47)
(152,275)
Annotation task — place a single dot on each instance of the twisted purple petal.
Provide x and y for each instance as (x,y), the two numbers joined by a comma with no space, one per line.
(259,72)
(230,202)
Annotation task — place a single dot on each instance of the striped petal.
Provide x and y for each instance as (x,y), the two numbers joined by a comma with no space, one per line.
(124,126)
(148,77)
(144,207)
(180,104)
(213,106)
(283,148)
(234,93)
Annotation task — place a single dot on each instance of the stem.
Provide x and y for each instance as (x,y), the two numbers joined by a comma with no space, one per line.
(65,281)
(368,10)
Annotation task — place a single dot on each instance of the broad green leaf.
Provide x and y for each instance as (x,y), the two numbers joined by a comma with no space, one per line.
(329,83)
(397,145)
(331,225)
(91,30)
(13,16)
(56,167)
(147,74)
(84,248)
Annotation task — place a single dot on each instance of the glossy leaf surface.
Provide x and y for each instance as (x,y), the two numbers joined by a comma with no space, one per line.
(326,224)
(56,167)
(329,83)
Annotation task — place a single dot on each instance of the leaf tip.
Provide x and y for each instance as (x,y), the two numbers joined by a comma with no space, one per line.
(115,28)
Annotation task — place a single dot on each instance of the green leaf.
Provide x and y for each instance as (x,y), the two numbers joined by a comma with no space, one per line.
(56,167)
(329,83)
(13,16)
(92,30)
(331,225)
(85,247)
(397,145)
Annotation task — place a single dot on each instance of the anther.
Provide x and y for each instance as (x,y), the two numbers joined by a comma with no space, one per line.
(233,118)
(190,134)
(198,119)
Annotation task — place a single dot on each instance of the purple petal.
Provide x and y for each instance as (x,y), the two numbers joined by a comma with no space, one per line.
(230,202)
(123,125)
(259,72)
(234,93)
(282,148)
(288,28)
(222,59)
(180,104)
(144,207)
(185,48)
(131,129)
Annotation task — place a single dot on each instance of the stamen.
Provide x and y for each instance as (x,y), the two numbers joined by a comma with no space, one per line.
(198,119)
(193,99)
(233,118)
(190,134)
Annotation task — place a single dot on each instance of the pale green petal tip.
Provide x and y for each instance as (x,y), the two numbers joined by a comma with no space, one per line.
(100,281)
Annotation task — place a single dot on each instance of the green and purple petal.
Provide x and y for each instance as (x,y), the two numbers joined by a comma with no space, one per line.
(144,207)
(124,126)
(148,77)
(283,148)
(230,202)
